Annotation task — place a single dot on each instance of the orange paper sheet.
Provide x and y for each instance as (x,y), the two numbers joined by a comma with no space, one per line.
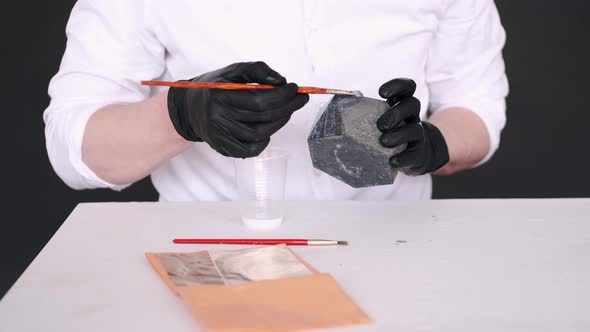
(289,304)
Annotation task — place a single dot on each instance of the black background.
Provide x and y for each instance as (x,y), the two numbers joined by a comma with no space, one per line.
(543,151)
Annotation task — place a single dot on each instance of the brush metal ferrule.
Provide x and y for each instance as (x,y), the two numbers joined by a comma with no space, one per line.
(355,93)
(322,242)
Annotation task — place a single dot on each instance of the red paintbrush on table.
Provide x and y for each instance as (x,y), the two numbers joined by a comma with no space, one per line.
(289,242)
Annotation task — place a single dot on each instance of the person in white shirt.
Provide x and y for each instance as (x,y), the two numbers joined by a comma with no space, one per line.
(104,129)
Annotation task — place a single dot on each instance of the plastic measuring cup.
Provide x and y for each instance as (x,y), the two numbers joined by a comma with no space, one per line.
(261,186)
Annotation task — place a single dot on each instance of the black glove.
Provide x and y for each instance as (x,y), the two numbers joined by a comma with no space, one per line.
(235,123)
(426,150)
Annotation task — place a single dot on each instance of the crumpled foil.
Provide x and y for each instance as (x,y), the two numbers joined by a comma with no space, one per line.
(232,267)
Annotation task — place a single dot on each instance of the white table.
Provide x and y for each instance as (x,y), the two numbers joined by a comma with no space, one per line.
(451,265)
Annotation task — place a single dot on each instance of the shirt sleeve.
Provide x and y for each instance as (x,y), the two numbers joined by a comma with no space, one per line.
(465,67)
(109,51)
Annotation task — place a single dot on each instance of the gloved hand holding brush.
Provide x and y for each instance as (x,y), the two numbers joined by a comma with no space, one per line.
(235,123)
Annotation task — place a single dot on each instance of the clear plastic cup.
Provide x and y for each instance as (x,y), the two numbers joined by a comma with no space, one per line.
(261,186)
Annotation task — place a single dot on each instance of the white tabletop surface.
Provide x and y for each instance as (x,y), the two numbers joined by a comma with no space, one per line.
(450,265)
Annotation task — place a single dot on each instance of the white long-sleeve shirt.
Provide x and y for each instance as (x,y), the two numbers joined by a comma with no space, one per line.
(451,48)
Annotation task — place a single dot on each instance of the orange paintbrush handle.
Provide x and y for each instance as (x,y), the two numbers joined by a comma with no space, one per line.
(244,86)
(228,86)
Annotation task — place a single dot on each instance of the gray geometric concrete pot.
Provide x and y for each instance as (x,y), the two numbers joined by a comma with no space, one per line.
(344,142)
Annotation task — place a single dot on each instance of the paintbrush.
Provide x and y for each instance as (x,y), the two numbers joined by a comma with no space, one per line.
(289,242)
(249,86)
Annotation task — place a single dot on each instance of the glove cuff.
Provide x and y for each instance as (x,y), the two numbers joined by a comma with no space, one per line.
(176,111)
(440,150)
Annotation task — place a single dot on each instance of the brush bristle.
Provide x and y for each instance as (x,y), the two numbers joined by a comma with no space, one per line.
(343,243)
